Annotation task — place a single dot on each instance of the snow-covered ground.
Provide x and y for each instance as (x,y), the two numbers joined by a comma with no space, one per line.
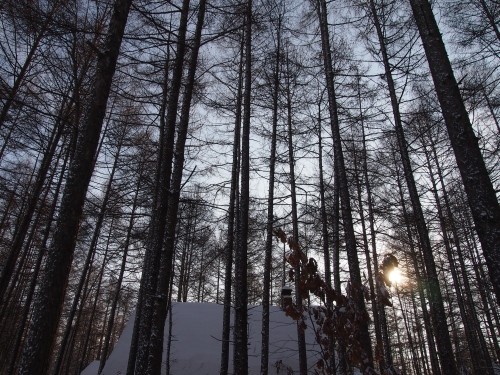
(196,342)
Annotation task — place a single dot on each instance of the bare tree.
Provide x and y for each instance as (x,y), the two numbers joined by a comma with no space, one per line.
(48,304)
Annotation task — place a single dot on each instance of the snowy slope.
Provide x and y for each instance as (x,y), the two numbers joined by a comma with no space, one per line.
(196,342)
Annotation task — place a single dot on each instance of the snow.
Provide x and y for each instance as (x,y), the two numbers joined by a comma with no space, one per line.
(196,342)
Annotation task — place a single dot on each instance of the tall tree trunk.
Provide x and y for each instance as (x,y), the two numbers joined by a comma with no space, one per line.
(240,288)
(301,339)
(89,324)
(32,202)
(233,193)
(401,356)
(438,315)
(49,301)
(410,340)
(460,253)
(162,295)
(362,334)
(478,187)
(420,280)
(264,363)
(481,363)
(112,314)
(36,270)
(139,358)
(147,259)
(380,357)
(341,361)
(89,259)
(325,238)
(421,342)
(386,347)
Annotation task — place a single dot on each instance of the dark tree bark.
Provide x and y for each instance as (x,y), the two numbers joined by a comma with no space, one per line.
(138,358)
(481,363)
(82,358)
(420,279)
(325,237)
(148,256)
(362,334)
(240,287)
(48,304)
(32,202)
(386,347)
(264,363)
(478,187)
(112,314)
(301,339)
(341,354)
(438,315)
(380,356)
(162,294)
(15,349)
(233,206)
(88,260)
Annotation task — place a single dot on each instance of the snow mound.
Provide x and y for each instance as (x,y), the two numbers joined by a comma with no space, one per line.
(196,342)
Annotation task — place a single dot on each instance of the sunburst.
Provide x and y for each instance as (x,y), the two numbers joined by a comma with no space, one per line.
(395,276)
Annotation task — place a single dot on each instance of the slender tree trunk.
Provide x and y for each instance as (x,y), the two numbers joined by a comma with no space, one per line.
(147,258)
(421,344)
(228,269)
(32,202)
(411,342)
(380,357)
(88,260)
(170,321)
(161,300)
(341,354)
(36,270)
(139,359)
(386,346)
(48,304)
(325,238)
(488,304)
(240,290)
(112,314)
(362,334)
(401,356)
(481,363)
(301,340)
(478,187)
(90,323)
(419,280)
(460,253)
(438,315)
(264,363)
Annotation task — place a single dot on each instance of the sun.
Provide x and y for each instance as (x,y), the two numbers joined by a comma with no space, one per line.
(395,276)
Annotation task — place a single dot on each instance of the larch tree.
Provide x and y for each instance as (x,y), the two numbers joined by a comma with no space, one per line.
(48,304)
(240,288)
(435,296)
(477,183)
(354,271)
(270,200)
